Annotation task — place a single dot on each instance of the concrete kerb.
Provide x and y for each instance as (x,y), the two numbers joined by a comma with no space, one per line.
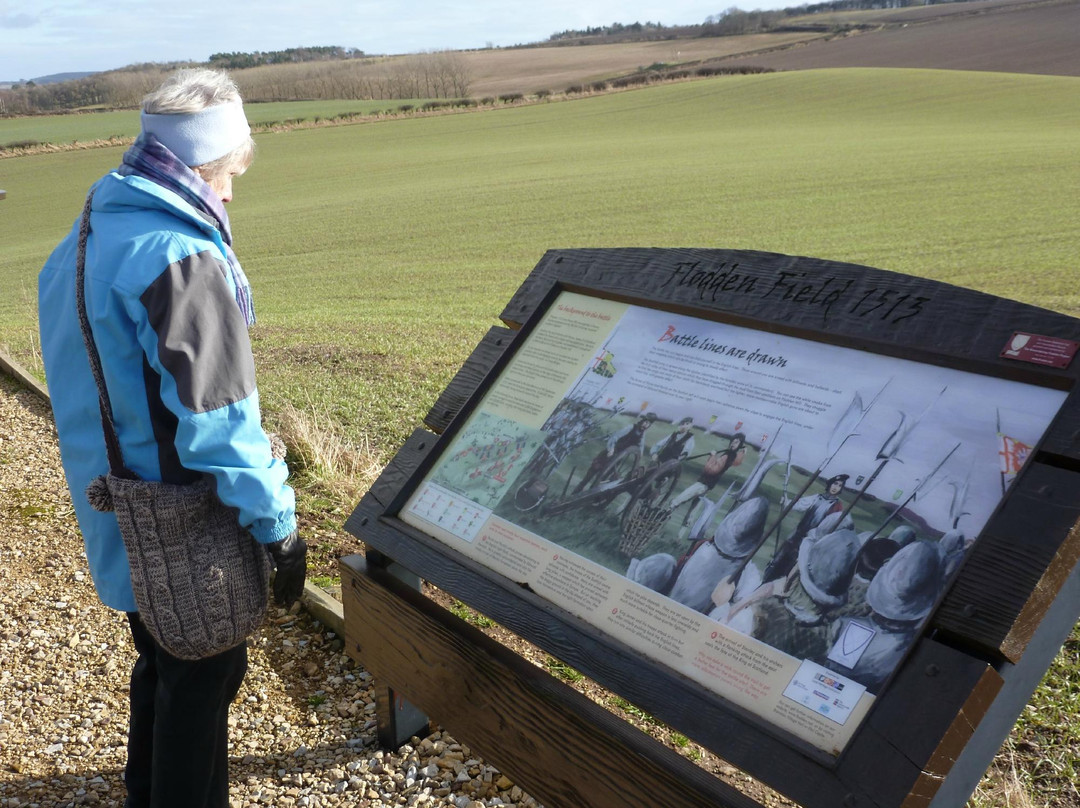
(318,603)
(16,371)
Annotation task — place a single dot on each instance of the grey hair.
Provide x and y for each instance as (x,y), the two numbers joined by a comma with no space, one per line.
(235,162)
(193,89)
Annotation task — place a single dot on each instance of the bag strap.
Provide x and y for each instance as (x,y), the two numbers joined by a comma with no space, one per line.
(112,443)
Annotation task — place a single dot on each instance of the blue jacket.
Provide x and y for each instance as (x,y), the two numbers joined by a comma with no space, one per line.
(177,362)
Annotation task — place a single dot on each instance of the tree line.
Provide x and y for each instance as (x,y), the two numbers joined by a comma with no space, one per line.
(731,22)
(616,29)
(439,74)
(239,61)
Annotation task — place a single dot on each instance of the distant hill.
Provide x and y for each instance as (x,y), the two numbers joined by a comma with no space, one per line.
(1002,36)
(53,78)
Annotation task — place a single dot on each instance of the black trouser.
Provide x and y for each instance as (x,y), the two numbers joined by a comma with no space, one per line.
(595,467)
(178,737)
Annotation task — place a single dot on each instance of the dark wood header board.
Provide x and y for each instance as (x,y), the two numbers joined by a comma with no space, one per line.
(810,514)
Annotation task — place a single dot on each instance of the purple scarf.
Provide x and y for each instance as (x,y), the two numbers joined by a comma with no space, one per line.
(149,159)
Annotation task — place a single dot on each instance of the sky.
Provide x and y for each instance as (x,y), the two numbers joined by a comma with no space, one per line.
(42,37)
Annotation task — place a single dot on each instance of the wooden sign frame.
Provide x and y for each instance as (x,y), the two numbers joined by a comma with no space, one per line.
(949,704)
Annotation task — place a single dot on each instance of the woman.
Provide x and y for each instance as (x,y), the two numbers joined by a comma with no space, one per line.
(169,308)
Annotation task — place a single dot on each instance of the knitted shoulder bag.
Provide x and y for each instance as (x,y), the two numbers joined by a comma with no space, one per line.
(200,579)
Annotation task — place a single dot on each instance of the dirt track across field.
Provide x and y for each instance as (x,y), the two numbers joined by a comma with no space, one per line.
(528,70)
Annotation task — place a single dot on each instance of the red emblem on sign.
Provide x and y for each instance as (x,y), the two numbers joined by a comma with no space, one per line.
(1037,349)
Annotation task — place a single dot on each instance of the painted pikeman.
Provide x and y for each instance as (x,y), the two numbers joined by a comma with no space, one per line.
(815,509)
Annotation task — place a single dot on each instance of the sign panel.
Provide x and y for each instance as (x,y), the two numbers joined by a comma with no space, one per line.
(773,517)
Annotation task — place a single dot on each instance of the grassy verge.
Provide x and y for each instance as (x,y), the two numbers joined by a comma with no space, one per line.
(91,126)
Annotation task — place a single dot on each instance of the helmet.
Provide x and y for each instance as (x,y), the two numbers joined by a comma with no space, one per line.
(903,535)
(827,564)
(738,535)
(907,586)
(873,556)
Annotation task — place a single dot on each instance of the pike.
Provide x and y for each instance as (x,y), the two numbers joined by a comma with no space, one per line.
(891,447)
(841,434)
(757,475)
(761,468)
(707,512)
(959,496)
(922,484)
(783,498)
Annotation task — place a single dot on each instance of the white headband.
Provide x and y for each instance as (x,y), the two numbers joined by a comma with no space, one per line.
(197,138)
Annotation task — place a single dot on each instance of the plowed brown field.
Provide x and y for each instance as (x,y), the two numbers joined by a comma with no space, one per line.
(1007,36)
(555,68)
(1029,38)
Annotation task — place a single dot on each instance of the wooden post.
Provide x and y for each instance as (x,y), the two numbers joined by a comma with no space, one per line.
(398,719)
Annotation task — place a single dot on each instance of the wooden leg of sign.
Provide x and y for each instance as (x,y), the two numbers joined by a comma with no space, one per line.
(552,741)
(399,720)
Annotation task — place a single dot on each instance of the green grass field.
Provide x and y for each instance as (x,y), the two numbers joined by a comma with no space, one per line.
(381,252)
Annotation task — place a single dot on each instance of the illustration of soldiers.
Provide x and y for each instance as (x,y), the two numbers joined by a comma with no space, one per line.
(677,444)
(874,554)
(901,595)
(795,614)
(692,579)
(633,435)
(814,508)
(716,465)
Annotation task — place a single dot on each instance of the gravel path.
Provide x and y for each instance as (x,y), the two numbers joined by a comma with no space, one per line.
(302,730)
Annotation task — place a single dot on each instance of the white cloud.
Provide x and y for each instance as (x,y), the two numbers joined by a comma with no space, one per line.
(18,21)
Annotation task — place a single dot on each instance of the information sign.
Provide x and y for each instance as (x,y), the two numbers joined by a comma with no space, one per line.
(771,516)
(821,519)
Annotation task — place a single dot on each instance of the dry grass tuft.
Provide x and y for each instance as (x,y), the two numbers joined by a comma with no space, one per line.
(322,460)
(32,148)
(1003,786)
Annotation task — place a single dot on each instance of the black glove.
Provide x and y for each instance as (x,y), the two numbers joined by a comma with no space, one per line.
(290,558)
